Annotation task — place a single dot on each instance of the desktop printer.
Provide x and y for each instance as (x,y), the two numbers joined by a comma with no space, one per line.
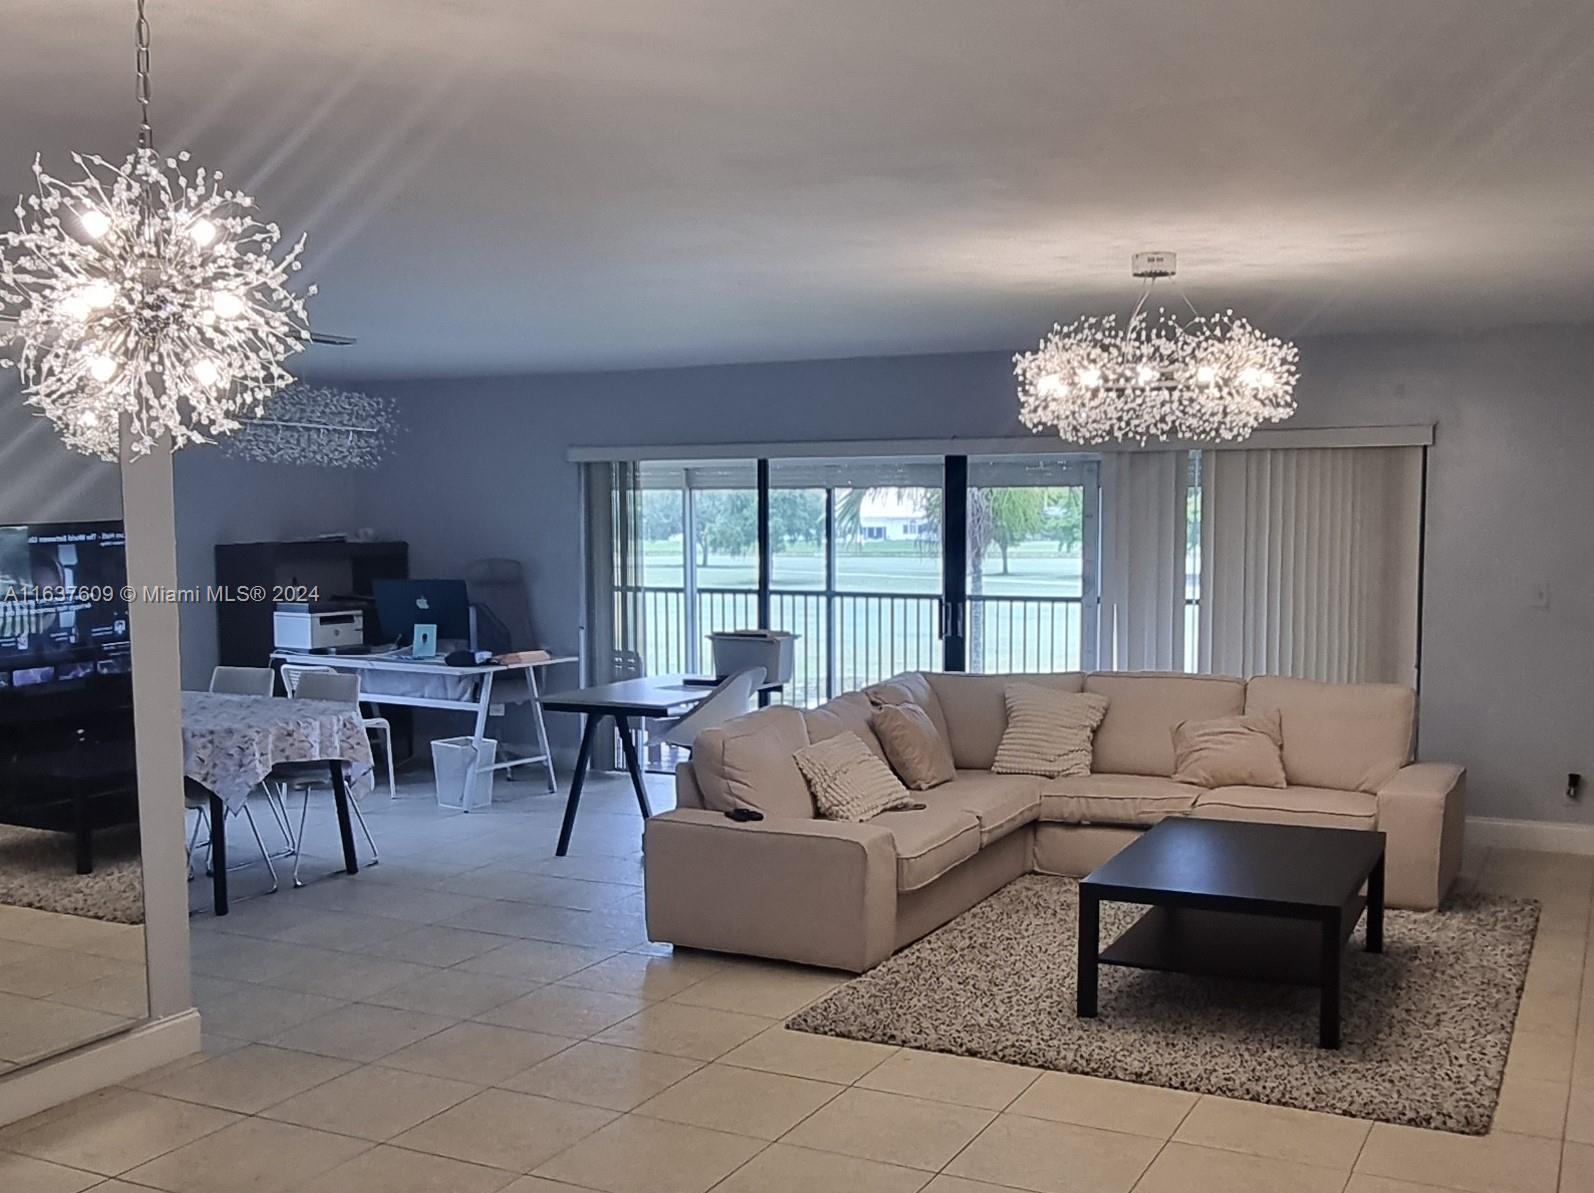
(317,625)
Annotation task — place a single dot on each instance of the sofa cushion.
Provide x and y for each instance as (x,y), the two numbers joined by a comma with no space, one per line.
(1048,732)
(1239,751)
(911,687)
(975,708)
(1347,736)
(1136,736)
(1115,799)
(848,713)
(1321,807)
(747,763)
(913,745)
(1001,803)
(848,782)
(929,842)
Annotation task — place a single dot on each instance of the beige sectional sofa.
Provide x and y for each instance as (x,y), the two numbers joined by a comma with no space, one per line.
(846,895)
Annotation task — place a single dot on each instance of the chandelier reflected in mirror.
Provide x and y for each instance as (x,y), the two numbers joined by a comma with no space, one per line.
(1156,376)
(319,426)
(148,292)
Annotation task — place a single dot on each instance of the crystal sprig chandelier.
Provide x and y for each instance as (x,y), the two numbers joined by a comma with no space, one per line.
(147,291)
(319,426)
(1201,378)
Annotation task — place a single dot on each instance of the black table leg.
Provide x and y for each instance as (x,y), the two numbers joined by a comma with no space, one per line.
(577,780)
(633,764)
(1332,951)
(1375,909)
(218,854)
(82,833)
(1089,947)
(340,797)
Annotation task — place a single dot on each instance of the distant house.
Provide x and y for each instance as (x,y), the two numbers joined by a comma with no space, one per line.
(893,516)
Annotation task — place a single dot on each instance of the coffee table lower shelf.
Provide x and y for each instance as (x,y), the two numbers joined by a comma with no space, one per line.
(1227,944)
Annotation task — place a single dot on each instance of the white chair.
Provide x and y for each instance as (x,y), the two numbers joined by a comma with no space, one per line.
(291,675)
(243,681)
(340,688)
(235,681)
(732,697)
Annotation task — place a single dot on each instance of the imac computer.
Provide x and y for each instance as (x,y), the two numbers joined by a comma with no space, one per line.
(401,605)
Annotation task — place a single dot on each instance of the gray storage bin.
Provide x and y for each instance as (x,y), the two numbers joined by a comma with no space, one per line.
(737,650)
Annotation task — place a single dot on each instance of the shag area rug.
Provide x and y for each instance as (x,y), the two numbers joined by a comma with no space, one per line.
(39,870)
(1426,1025)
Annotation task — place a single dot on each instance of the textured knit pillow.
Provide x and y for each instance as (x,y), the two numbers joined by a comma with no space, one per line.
(918,754)
(1048,732)
(848,779)
(1237,751)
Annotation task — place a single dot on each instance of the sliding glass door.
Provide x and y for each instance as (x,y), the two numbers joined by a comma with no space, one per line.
(855,568)
(877,564)
(697,539)
(1032,556)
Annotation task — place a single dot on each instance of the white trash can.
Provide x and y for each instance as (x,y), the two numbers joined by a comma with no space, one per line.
(459,785)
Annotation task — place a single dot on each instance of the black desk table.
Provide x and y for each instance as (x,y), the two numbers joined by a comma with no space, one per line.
(653,697)
(1265,902)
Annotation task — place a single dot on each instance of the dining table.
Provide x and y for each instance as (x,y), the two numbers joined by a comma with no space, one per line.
(231,743)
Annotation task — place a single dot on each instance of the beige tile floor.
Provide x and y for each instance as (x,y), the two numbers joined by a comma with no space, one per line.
(65,981)
(474,1015)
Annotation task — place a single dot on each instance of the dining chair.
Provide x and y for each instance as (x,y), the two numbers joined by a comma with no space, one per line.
(339,688)
(235,681)
(243,681)
(291,674)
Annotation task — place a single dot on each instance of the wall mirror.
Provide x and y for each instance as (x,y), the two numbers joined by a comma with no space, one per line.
(72,947)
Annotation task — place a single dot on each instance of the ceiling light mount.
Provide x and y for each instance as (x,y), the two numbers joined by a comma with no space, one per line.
(1158,376)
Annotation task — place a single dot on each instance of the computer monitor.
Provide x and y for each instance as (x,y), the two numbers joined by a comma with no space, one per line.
(400,604)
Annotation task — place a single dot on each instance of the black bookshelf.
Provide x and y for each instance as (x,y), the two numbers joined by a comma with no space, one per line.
(335,569)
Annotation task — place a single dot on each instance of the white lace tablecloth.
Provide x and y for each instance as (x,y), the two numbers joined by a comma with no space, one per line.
(230,743)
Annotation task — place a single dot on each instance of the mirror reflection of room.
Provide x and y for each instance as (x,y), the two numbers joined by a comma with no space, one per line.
(72,965)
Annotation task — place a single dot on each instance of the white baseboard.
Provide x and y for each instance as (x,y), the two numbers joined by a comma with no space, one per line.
(1545,836)
(84,1070)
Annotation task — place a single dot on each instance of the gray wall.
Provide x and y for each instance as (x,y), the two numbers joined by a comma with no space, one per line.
(1506,685)
(222,499)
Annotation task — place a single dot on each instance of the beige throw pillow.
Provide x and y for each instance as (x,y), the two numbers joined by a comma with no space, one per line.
(1237,751)
(918,754)
(1048,732)
(848,780)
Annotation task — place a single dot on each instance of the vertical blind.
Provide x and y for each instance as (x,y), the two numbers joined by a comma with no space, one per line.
(1309,563)
(1143,526)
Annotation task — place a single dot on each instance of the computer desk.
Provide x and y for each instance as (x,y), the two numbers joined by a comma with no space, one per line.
(480,701)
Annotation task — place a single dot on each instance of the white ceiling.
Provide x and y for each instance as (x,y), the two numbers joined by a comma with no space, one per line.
(516,185)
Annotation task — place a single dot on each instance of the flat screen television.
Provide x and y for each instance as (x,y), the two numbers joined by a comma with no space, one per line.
(63,608)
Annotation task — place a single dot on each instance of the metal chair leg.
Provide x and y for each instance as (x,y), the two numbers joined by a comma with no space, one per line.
(279,813)
(265,854)
(304,812)
(376,855)
(193,840)
(392,784)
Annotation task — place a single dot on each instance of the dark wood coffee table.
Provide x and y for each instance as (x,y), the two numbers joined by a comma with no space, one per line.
(1263,902)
